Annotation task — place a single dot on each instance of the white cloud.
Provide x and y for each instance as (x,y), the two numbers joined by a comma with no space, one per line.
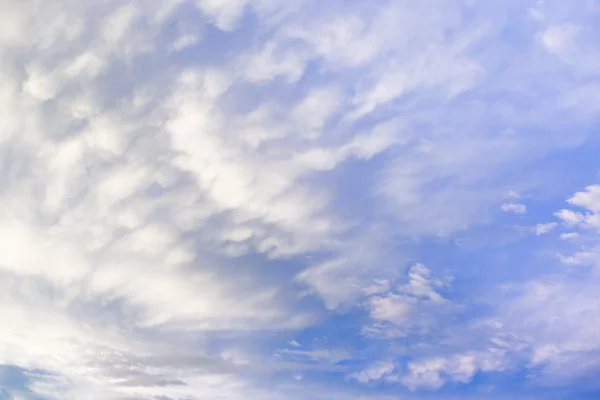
(560,39)
(343,279)
(588,225)
(542,229)
(544,323)
(549,320)
(93,236)
(555,319)
(184,41)
(416,305)
(514,208)
(590,201)
(224,14)
(149,195)
(570,217)
(433,373)
(569,34)
(109,186)
(375,372)
(569,235)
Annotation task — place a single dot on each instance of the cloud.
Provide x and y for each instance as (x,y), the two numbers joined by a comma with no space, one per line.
(560,39)
(554,319)
(588,200)
(542,229)
(569,235)
(435,372)
(514,208)
(374,372)
(538,325)
(399,306)
(186,185)
(547,321)
(96,214)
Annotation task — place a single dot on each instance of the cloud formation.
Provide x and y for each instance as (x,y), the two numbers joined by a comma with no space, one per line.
(298,200)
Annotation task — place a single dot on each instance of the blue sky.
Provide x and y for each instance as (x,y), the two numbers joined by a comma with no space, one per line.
(290,200)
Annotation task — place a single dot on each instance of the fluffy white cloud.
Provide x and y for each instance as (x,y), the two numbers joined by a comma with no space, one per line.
(589,200)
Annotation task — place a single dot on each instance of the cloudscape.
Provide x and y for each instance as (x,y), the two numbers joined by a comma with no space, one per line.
(299,200)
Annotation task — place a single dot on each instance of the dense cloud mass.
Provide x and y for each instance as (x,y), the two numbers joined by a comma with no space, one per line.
(288,200)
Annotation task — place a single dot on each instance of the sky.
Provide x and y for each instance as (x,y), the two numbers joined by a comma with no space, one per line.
(299,200)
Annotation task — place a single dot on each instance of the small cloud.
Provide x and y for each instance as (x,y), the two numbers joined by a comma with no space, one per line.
(514,208)
(294,343)
(512,195)
(589,198)
(542,229)
(569,236)
(559,39)
(415,305)
(184,41)
(581,258)
(374,372)
(570,217)
(433,373)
